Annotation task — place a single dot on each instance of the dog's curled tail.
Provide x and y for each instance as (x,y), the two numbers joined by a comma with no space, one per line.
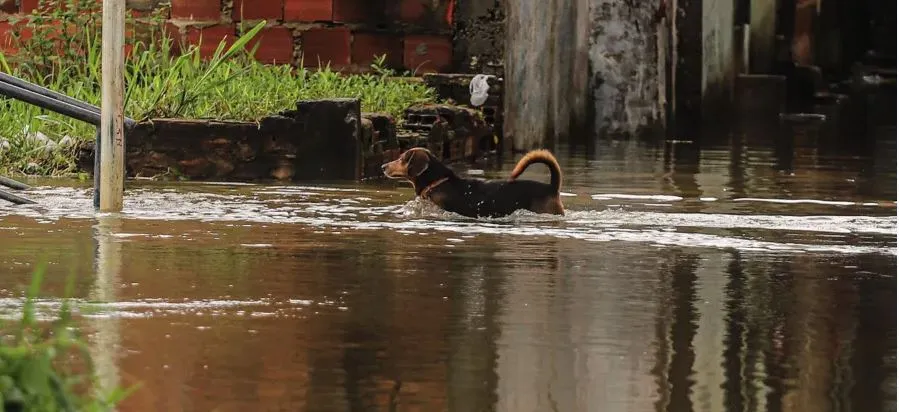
(544,157)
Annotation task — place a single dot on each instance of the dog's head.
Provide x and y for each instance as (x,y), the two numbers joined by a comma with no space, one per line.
(409,165)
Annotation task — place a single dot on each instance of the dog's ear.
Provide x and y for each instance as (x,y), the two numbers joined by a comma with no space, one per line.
(418,163)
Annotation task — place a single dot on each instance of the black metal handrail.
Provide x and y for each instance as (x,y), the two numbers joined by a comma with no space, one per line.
(16,88)
(19,200)
(9,197)
(27,92)
(13,184)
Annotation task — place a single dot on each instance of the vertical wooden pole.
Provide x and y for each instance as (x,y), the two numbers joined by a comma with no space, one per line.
(112,116)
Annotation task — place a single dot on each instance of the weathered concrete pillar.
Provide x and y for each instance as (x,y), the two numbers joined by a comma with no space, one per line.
(572,62)
(762,37)
(330,133)
(546,82)
(624,57)
(479,36)
(640,69)
(718,54)
(705,63)
(804,32)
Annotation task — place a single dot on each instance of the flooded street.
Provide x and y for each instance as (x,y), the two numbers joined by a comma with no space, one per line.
(676,282)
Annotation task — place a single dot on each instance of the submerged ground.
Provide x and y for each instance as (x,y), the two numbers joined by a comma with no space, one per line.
(718,283)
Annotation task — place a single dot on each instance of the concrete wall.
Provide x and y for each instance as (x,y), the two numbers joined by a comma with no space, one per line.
(546,71)
(762,26)
(632,45)
(479,36)
(570,63)
(705,68)
(717,55)
(625,76)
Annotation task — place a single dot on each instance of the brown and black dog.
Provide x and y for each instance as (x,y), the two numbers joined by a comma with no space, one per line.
(479,198)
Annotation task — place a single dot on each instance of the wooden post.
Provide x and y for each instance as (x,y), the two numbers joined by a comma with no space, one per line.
(112,110)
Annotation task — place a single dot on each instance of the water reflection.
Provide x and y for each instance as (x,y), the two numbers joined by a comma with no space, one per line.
(683,280)
(105,343)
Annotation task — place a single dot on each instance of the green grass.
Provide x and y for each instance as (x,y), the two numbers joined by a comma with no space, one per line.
(48,368)
(159,83)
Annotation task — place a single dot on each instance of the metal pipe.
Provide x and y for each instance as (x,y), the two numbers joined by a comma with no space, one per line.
(43,91)
(19,200)
(5,181)
(27,92)
(58,106)
(97,171)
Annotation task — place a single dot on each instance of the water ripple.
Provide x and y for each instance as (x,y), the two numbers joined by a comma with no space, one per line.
(346,209)
(48,309)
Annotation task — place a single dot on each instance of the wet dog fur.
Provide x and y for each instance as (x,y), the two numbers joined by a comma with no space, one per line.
(474,198)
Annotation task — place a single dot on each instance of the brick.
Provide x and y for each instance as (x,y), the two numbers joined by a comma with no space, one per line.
(412,10)
(326,45)
(173,33)
(423,53)
(429,14)
(7,43)
(51,6)
(308,10)
(368,45)
(448,15)
(275,45)
(27,6)
(258,10)
(141,14)
(9,6)
(358,11)
(200,10)
(210,37)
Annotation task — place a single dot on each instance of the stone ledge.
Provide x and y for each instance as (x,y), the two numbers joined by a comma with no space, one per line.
(455,88)
(319,140)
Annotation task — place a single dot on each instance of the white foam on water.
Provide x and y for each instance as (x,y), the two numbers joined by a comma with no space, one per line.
(656,198)
(417,216)
(796,201)
(47,309)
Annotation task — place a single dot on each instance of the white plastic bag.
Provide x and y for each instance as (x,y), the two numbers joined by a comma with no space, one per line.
(478,89)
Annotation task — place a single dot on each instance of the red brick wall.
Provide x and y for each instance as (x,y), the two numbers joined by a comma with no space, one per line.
(414,34)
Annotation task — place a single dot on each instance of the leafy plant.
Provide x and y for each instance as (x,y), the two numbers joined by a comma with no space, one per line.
(36,363)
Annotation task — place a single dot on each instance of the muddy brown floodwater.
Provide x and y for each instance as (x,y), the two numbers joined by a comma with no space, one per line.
(707,284)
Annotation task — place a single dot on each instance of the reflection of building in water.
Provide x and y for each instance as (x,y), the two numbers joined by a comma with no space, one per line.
(674,330)
(471,383)
(708,343)
(395,331)
(578,333)
(523,324)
